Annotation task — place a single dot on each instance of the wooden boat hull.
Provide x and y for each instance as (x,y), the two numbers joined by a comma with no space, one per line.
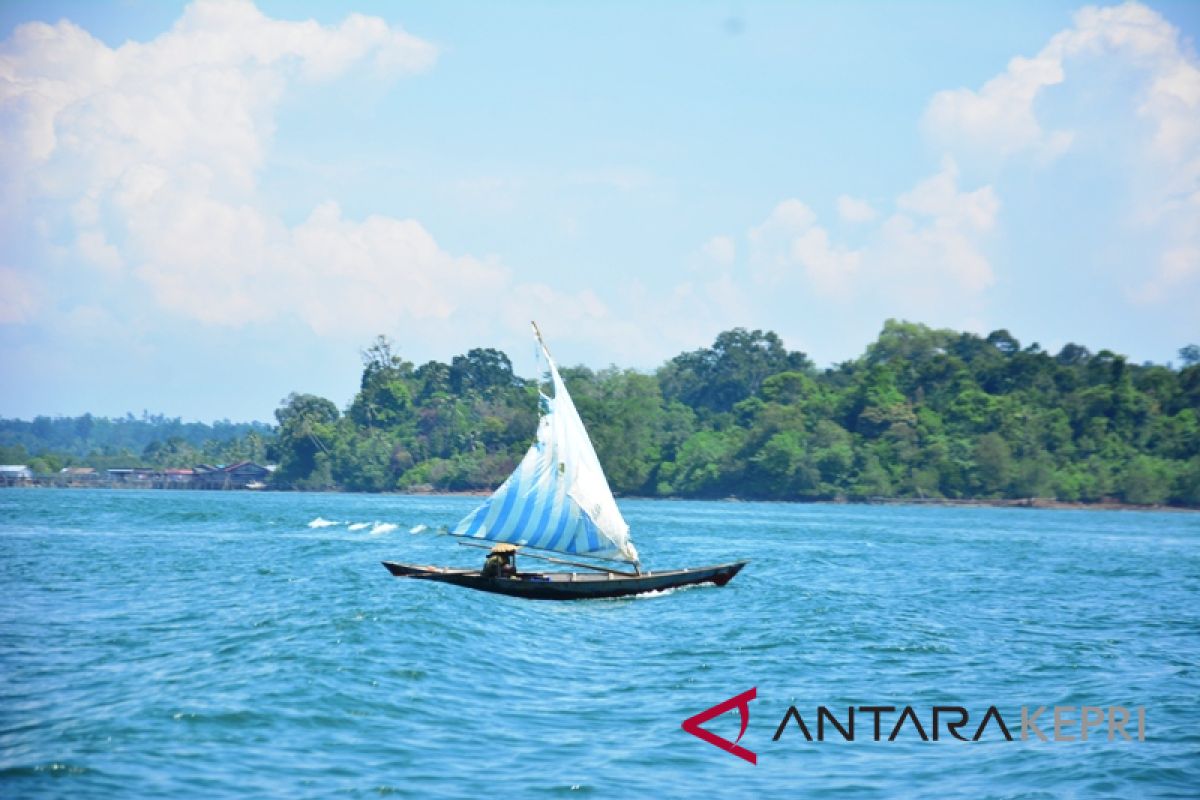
(569,585)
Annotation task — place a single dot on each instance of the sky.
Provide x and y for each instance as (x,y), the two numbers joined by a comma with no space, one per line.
(205,206)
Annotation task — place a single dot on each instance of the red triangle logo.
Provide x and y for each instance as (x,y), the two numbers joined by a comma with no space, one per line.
(742,703)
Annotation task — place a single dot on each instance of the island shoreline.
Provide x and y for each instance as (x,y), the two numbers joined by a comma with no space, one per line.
(1034,503)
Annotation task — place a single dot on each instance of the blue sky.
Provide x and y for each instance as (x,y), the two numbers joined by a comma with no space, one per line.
(206,206)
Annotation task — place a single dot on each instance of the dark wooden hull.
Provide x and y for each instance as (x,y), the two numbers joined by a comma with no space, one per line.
(569,585)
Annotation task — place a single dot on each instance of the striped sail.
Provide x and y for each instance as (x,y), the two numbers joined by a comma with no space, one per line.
(558,498)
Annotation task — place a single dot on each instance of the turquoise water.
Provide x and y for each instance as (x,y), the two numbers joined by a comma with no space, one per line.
(163,644)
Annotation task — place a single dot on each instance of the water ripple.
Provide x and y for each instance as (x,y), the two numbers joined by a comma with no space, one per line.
(159,644)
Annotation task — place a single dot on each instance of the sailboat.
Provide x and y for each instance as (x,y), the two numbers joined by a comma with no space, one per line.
(558,500)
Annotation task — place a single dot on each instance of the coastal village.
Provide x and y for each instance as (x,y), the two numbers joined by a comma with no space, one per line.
(242,475)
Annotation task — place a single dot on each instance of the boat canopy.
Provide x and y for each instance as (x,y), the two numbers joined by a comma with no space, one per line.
(558,498)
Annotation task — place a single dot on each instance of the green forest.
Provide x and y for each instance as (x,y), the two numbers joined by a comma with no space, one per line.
(923,413)
(47,444)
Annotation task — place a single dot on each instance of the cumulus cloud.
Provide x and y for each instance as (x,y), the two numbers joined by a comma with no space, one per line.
(933,247)
(1004,119)
(690,312)
(229,265)
(574,316)
(200,95)
(852,209)
(929,256)
(721,250)
(19,300)
(930,248)
(790,240)
(772,259)
(156,149)
(939,198)
(1002,114)
(96,250)
(1178,269)
(142,164)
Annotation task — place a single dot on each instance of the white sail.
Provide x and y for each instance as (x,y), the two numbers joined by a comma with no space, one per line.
(557,498)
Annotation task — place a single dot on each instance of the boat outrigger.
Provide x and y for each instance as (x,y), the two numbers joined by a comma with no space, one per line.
(557,500)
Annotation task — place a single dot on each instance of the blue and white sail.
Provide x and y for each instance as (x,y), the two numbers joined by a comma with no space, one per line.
(558,498)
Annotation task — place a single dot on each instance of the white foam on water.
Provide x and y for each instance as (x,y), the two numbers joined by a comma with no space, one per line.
(648,595)
(665,592)
(383,527)
(358,526)
(418,529)
(320,522)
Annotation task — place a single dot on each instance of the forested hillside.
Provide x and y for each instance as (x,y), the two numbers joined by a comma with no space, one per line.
(924,413)
(49,443)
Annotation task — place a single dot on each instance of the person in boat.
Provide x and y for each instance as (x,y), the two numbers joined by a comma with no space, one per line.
(501,562)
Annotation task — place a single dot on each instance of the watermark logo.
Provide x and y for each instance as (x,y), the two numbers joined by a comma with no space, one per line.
(742,703)
(941,724)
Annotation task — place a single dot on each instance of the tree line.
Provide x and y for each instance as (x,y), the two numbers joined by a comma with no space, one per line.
(47,444)
(923,413)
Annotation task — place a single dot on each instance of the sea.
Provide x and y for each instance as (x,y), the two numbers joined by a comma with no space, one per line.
(165,644)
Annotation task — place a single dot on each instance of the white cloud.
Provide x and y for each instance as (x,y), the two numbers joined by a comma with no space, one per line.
(785,219)
(930,249)
(721,250)
(156,147)
(1002,115)
(19,301)
(790,243)
(930,260)
(692,312)
(829,268)
(1004,118)
(375,270)
(1178,270)
(938,197)
(152,154)
(231,265)
(852,209)
(579,318)
(94,248)
(200,95)
(772,255)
